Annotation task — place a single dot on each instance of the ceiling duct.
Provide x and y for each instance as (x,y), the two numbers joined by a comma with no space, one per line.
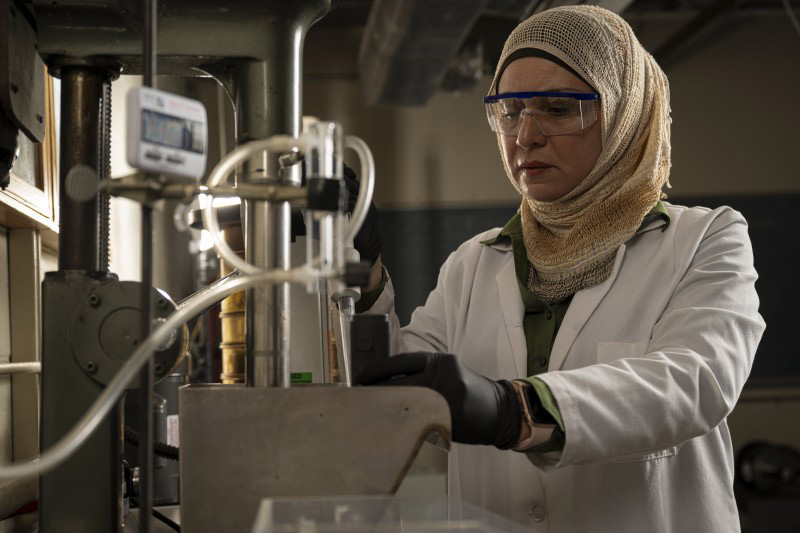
(411,48)
(407,47)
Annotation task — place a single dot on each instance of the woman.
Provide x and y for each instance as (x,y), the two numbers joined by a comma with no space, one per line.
(627,326)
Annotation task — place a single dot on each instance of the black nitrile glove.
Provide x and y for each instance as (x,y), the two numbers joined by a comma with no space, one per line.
(482,411)
(368,241)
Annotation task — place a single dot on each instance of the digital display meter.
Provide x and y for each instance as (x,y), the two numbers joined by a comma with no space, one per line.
(167,134)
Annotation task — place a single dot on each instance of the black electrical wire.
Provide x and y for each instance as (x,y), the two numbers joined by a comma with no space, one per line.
(166,520)
(161,516)
(159,448)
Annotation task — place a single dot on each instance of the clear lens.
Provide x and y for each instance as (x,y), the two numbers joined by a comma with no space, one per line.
(554,115)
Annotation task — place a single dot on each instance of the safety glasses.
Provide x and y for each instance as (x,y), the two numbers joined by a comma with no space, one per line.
(555,113)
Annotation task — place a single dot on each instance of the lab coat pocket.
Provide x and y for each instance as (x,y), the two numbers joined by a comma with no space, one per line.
(611,351)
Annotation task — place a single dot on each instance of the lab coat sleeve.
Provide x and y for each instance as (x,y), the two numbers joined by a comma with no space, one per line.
(427,330)
(697,361)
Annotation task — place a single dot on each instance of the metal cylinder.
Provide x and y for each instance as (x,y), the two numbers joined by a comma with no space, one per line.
(81,96)
(274,86)
(231,316)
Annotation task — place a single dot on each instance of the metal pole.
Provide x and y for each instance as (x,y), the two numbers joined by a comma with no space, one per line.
(20,368)
(268,103)
(145,392)
(81,94)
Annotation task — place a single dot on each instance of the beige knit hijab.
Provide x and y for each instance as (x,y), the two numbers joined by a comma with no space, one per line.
(571,242)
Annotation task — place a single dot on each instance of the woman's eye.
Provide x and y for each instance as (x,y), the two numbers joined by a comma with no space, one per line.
(510,115)
(560,109)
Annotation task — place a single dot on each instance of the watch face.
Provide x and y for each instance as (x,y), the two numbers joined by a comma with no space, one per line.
(539,414)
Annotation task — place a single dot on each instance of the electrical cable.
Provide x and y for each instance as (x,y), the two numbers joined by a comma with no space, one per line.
(172,524)
(161,516)
(108,398)
(159,448)
(792,16)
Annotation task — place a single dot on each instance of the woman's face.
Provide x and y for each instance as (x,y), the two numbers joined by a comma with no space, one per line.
(546,168)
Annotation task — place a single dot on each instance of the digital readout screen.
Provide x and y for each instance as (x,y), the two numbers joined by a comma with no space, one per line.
(173,132)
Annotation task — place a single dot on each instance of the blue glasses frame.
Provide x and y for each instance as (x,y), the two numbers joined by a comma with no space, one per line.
(577,96)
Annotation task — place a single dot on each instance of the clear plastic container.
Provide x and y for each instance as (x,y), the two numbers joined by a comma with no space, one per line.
(376,513)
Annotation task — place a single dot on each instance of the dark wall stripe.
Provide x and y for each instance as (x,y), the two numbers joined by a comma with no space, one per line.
(417,242)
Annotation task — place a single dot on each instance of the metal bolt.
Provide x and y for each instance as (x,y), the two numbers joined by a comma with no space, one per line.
(161,302)
(158,369)
(94,300)
(91,367)
(135,482)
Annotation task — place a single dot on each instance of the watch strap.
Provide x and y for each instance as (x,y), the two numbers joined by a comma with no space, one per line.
(541,425)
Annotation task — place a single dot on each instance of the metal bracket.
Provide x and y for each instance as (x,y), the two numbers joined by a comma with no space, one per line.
(81,185)
(105,330)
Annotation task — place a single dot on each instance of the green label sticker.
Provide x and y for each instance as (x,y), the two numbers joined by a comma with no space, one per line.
(300,377)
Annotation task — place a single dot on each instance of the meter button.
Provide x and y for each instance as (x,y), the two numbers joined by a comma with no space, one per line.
(175,159)
(155,156)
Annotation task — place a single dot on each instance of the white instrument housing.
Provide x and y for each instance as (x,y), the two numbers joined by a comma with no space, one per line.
(167,134)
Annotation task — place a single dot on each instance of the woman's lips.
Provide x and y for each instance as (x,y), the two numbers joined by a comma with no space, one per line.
(534,171)
(534,168)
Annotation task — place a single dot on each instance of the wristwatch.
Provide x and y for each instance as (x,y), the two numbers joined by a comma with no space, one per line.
(541,423)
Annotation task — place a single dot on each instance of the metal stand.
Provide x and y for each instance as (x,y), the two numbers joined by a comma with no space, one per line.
(94,475)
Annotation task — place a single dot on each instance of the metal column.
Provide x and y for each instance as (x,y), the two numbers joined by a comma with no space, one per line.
(268,103)
(81,95)
(84,493)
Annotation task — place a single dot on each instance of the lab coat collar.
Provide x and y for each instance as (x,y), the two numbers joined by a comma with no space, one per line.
(656,223)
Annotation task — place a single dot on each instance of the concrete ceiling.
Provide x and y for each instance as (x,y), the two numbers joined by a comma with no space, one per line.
(409,49)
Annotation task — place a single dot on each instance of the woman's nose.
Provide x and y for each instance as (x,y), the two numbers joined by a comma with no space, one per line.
(530,133)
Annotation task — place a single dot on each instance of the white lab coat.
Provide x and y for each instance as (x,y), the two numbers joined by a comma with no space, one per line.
(645,369)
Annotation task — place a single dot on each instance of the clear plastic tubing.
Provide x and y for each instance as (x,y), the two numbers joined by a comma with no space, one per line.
(281,143)
(326,243)
(367,188)
(278,143)
(89,422)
